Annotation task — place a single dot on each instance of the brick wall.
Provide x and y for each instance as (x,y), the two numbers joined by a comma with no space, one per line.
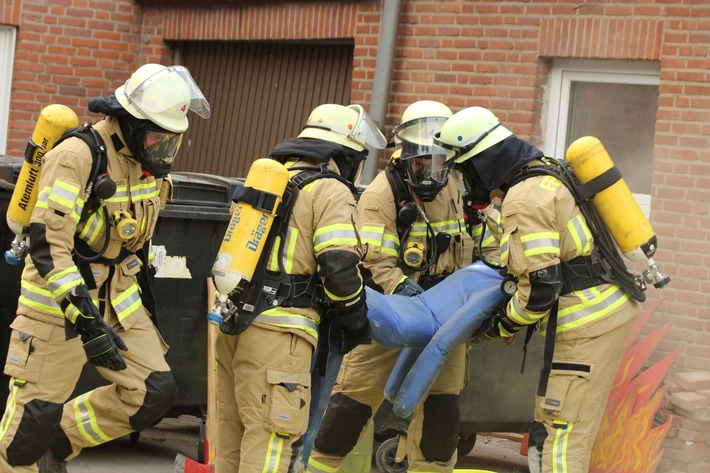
(491,53)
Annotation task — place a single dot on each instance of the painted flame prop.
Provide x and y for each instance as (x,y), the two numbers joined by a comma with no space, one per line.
(627,441)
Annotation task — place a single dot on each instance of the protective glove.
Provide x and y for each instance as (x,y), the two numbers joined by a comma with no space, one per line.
(353,321)
(408,288)
(498,326)
(101,342)
(354,337)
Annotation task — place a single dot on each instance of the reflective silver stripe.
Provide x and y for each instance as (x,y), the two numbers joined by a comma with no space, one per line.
(599,306)
(62,283)
(121,195)
(287,321)
(273,456)
(448,226)
(538,243)
(143,192)
(85,418)
(91,230)
(522,315)
(580,233)
(335,237)
(559,447)
(39,299)
(127,302)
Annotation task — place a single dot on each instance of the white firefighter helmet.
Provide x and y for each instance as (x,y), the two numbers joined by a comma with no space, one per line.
(427,171)
(163,95)
(349,126)
(470,132)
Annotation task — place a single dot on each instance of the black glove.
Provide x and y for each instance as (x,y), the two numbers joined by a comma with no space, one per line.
(353,321)
(355,337)
(408,288)
(101,342)
(498,326)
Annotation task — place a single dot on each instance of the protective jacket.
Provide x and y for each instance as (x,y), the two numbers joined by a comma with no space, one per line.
(52,270)
(321,239)
(377,223)
(543,228)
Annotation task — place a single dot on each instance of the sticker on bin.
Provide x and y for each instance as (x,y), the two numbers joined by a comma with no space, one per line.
(169,266)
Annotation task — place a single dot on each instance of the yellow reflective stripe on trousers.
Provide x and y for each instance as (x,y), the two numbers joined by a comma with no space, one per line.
(332,235)
(316,467)
(85,418)
(559,447)
(64,281)
(273,453)
(281,318)
(127,302)
(38,298)
(10,405)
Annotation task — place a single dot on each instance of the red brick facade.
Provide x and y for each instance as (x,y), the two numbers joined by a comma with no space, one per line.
(494,53)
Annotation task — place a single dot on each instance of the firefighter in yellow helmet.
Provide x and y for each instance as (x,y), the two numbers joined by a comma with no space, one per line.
(263,369)
(411,218)
(562,291)
(79,298)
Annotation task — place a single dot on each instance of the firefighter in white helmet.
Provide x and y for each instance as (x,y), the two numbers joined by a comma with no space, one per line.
(562,290)
(309,269)
(89,231)
(411,218)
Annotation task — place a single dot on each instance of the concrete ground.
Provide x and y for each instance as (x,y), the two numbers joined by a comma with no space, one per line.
(156,450)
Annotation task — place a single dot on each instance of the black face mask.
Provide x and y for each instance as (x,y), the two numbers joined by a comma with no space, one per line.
(134,132)
(349,162)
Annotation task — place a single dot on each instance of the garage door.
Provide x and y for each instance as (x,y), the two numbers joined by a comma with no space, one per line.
(260,93)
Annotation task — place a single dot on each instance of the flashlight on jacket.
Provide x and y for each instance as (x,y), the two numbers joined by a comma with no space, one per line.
(125,224)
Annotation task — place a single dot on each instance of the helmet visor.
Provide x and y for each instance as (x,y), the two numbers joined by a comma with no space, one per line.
(426,170)
(366,132)
(173,78)
(160,147)
(449,152)
(415,137)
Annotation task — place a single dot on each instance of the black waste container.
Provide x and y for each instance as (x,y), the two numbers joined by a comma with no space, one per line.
(9,274)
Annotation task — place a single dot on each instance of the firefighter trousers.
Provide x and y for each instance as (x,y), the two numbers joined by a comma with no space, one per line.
(44,368)
(358,393)
(568,417)
(263,399)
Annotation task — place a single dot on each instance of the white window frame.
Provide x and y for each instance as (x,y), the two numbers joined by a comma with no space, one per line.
(8,35)
(565,72)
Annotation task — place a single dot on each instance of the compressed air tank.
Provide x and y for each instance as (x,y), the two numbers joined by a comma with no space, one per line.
(247,232)
(53,121)
(615,204)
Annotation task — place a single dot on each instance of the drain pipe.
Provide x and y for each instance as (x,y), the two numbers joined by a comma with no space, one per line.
(383,78)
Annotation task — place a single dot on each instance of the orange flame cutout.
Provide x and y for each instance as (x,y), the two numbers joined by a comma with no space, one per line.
(627,441)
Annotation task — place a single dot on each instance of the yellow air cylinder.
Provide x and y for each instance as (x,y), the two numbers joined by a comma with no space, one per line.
(53,121)
(246,234)
(616,205)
